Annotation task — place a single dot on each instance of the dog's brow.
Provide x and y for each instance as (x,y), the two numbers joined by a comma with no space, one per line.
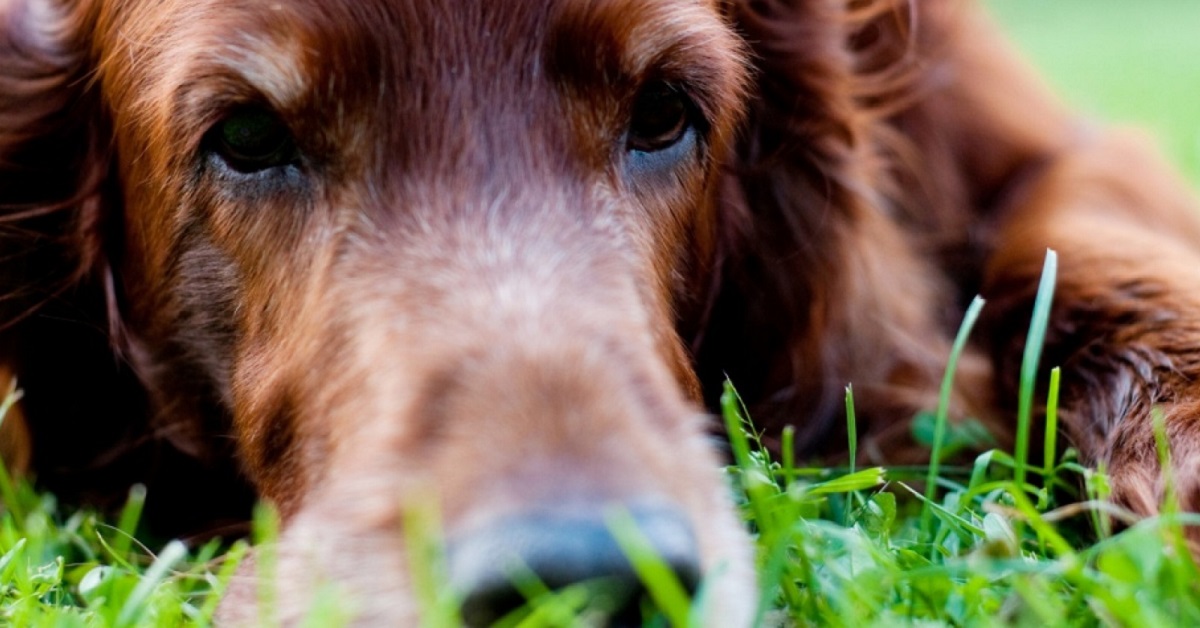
(630,34)
(272,65)
(204,81)
(602,42)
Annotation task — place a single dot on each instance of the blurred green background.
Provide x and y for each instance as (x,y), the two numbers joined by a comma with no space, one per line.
(1129,61)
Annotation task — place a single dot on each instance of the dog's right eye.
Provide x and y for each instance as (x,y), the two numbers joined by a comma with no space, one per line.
(661,118)
(252,139)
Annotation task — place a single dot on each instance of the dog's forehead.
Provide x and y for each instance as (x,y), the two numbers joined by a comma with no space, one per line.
(410,77)
(289,49)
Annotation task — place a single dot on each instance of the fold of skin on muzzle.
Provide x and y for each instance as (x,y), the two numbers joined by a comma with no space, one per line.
(509,360)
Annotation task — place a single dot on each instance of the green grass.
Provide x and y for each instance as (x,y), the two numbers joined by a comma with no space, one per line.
(66,569)
(995,541)
(986,548)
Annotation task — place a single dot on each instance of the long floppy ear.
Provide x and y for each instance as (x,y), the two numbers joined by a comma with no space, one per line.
(822,286)
(60,325)
(53,158)
(54,189)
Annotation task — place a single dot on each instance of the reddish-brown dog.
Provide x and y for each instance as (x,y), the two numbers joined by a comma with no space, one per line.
(361,254)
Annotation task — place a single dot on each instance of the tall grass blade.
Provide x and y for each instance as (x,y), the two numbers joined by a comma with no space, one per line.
(1029,364)
(943,413)
(851,426)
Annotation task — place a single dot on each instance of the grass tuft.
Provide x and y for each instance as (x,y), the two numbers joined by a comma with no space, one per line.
(65,569)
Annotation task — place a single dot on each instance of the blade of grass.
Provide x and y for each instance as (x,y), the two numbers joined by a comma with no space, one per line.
(229,564)
(851,426)
(1170,503)
(739,442)
(135,605)
(1050,439)
(943,413)
(1097,489)
(120,559)
(960,524)
(852,443)
(788,453)
(661,582)
(266,536)
(426,553)
(1029,363)
(546,607)
(8,561)
(131,514)
(1051,442)
(1044,529)
(857,481)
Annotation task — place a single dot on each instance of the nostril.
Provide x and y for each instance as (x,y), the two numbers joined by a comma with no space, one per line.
(487,566)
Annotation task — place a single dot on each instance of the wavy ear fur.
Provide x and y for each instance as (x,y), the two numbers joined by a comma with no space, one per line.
(816,258)
(54,198)
(61,330)
(53,156)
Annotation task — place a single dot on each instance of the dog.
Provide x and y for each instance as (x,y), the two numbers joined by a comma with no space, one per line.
(358,257)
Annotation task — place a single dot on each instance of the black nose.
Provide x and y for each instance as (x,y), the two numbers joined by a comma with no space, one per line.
(487,566)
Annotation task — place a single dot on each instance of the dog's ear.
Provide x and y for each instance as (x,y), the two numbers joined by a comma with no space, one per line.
(53,154)
(53,176)
(816,261)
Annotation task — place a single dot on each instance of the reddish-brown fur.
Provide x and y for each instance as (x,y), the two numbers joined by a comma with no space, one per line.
(464,292)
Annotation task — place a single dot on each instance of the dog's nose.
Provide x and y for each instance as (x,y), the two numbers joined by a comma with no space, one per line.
(487,566)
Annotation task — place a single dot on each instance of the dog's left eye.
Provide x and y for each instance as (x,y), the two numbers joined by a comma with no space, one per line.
(253,139)
(661,118)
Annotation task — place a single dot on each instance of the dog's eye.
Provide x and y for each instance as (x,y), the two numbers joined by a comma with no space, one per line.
(253,139)
(661,117)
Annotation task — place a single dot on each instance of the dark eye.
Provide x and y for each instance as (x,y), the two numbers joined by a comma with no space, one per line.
(253,139)
(661,117)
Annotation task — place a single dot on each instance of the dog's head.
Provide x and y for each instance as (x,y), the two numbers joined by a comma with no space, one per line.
(408,251)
